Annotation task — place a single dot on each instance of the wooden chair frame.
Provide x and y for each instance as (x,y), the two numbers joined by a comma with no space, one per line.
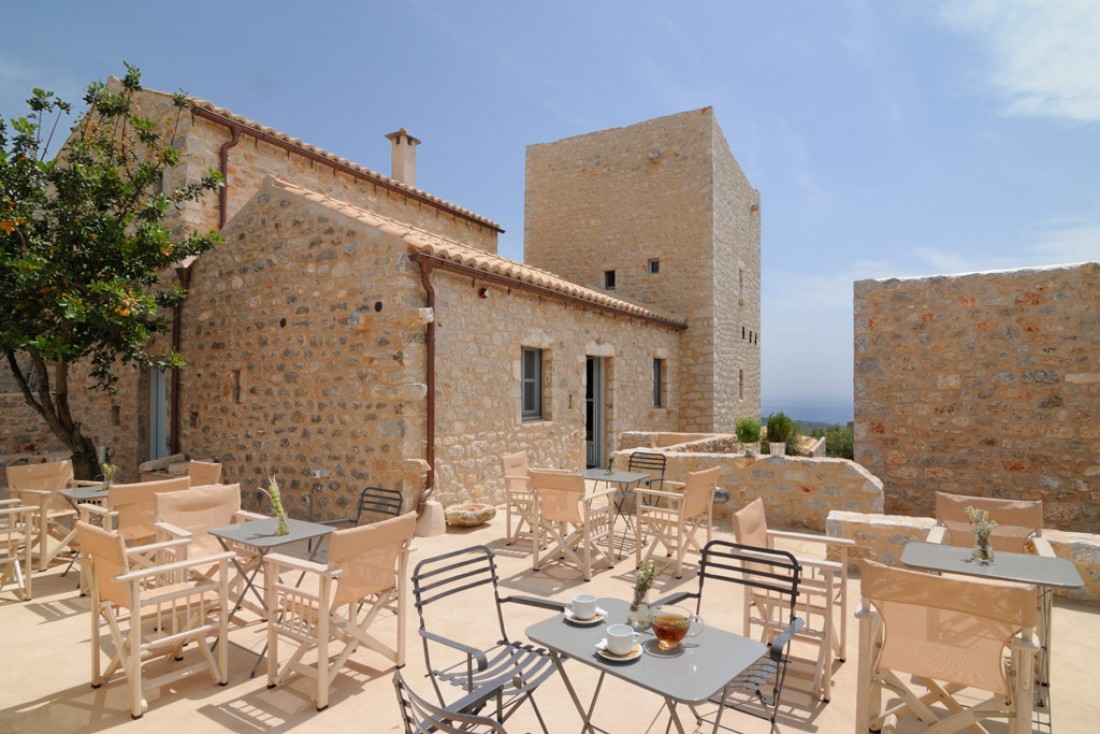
(572,519)
(17,523)
(675,517)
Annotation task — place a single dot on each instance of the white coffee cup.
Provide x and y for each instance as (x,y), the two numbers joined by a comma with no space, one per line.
(583,606)
(621,639)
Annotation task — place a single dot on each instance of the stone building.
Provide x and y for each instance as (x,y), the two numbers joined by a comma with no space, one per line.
(984,384)
(355,330)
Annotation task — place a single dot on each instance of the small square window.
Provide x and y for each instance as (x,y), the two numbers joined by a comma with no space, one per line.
(609,279)
(654,266)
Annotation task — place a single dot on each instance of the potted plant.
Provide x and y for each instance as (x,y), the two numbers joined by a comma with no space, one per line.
(780,429)
(748,435)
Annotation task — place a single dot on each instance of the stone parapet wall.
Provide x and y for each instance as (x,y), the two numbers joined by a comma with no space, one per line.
(798,493)
(882,538)
(985,384)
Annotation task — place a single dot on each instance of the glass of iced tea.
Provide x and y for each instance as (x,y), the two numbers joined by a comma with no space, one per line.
(672,624)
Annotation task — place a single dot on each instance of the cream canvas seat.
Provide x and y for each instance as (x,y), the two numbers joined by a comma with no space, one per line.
(573,520)
(520,499)
(1019,523)
(822,604)
(953,635)
(202,473)
(673,519)
(151,613)
(189,515)
(16,533)
(365,576)
(37,485)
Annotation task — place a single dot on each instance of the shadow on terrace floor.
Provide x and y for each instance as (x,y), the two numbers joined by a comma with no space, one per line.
(46,665)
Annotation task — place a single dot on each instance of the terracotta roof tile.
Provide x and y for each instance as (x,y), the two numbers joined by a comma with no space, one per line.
(433,245)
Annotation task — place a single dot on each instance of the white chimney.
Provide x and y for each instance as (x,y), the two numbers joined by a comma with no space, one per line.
(403,157)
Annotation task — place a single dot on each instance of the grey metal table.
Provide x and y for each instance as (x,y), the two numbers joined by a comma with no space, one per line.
(1045,572)
(626,480)
(707,662)
(260,535)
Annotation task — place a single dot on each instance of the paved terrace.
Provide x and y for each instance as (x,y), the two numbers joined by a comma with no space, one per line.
(44,678)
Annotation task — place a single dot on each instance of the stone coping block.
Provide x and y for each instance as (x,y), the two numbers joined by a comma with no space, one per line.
(883,538)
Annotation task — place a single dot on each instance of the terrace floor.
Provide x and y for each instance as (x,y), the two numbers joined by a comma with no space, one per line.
(46,651)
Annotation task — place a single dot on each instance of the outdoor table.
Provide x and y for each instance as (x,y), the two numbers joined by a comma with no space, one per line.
(626,480)
(1044,571)
(705,664)
(260,535)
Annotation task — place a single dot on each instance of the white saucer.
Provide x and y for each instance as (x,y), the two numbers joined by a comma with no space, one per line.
(603,652)
(601,615)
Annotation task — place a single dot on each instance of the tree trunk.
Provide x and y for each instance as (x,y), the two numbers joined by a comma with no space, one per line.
(52,404)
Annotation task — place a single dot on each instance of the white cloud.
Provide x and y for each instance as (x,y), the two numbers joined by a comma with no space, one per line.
(1044,56)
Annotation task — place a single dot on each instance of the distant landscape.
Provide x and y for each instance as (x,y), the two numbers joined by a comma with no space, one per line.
(810,413)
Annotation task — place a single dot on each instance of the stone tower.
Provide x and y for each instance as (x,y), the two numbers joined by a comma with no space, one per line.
(661,213)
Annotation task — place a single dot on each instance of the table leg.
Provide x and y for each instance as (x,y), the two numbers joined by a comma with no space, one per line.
(586,716)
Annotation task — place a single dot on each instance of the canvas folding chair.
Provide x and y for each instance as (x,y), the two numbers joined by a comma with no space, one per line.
(520,499)
(1019,523)
(823,599)
(37,485)
(202,473)
(766,572)
(188,515)
(952,636)
(677,518)
(423,717)
(16,538)
(364,577)
(492,670)
(151,613)
(572,520)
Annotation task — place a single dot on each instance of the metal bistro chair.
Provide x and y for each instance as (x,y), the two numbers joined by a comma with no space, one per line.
(757,690)
(503,673)
(650,463)
(423,717)
(373,501)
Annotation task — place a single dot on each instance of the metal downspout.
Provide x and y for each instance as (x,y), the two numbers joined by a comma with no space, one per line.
(223,165)
(426,266)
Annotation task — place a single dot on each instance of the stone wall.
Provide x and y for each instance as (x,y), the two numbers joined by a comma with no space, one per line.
(667,190)
(305,335)
(478,412)
(798,493)
(984,384)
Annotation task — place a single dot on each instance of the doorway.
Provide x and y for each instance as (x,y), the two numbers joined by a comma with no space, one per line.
(594,414)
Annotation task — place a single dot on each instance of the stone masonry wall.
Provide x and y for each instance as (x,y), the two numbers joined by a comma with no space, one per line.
(305,335)
(984,384)
(666,189)
(478,343)
(798,493)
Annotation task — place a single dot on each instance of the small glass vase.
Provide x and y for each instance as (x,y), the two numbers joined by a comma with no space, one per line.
(983,552)
(639,614)
(283,527)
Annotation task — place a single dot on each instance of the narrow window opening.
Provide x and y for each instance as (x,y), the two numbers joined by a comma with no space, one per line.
(658,383)
(741,384)
(531,383)
(740,281)
(236,386)
(609,279)
(654,266)
(194,419)
(116,415)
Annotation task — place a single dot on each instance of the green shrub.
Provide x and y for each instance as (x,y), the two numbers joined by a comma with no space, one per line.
(839,442)
(747,430)
(780,428)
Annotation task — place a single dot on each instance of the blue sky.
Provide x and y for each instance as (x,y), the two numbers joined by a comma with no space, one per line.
(887,138)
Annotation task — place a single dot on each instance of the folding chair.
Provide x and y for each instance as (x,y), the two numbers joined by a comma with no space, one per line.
(823,602)
(202,473)
(423,717)
(151,613)
(37,485)
(951,634)
(573,520)
(500,673)
(675,521)
(652,463)
(520,507)
(188,515)
(1019,523)
(16,533)
(765,572)
(375,503)
(364,576)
